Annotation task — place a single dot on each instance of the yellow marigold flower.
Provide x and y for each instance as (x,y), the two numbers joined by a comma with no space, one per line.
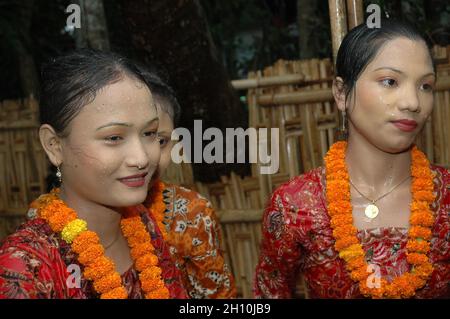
(351,252)
(73,229)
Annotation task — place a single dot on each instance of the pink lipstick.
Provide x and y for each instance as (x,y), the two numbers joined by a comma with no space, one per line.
(134,180)
(405,125)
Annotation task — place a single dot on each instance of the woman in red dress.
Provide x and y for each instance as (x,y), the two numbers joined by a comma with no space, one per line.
(191,226)
(374,221)
(92,238)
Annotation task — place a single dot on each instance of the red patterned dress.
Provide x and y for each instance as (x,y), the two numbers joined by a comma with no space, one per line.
(298,239)
(34,264)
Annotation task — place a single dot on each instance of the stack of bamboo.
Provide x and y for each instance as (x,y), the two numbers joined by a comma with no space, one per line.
(23,165)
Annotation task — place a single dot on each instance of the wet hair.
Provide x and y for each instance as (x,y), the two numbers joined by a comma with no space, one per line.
(360,46)
(71,81)
(156,79)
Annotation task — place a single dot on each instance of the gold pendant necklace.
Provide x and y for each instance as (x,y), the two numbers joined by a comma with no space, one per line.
(371,211)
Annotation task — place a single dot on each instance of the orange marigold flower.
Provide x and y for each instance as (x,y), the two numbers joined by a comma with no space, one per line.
(341,220)
(91,253)
(58,221)
(151,285)
(98,268)
(116,293)
(344,231)
(145,261)
(357,262)
(107,282)
(162,293)
(416,258)
(345,242)
(422,218)
(138,237)
(84,240)
(424,270)
(418,246)
(419,232)
(150,273)
(141,249)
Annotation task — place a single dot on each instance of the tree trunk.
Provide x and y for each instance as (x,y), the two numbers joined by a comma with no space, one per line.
(27,69)
(174,35)
(93,32)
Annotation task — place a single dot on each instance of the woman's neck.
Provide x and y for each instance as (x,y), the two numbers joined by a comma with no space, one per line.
(369,166)
(102,220)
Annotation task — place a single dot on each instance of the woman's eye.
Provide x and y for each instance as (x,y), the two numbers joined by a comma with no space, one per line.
(113,138)
(388,82)
(163,141)
(153,135)
(427,87)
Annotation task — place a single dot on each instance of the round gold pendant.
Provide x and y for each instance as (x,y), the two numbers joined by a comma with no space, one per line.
(372,211)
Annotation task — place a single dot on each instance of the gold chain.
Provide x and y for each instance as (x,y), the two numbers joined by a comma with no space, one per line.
(373,201)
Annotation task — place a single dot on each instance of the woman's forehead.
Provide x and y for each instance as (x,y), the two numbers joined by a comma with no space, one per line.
(402,54)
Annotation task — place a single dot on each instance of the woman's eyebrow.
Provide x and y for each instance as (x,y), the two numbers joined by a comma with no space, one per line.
(389,68)
(401,72)
(125,124)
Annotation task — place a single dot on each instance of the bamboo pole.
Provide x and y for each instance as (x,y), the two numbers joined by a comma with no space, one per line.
(338,22)
(318,95)
(355,13)
(322,95)
(267,81)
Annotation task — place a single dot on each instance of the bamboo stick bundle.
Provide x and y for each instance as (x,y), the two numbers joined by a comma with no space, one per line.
(338,23)
(355,15)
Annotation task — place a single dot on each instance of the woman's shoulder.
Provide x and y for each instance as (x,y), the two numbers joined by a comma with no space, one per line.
(299,202)
(182,193)
(33,236)
(308,185)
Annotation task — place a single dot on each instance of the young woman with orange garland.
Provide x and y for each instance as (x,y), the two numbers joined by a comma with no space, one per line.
(187,219)
(373,222)
(92,238)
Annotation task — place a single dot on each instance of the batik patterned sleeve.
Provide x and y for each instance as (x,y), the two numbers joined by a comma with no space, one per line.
(280,253)
(196,236)
(29,269)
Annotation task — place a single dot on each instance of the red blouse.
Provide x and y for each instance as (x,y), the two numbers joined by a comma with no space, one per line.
(297,237)
(34,264)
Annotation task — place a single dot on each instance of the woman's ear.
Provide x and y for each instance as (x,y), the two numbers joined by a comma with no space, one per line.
(51,143)
(339,93)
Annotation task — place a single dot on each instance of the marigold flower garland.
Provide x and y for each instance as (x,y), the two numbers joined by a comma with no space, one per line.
(345,234)
(99,268)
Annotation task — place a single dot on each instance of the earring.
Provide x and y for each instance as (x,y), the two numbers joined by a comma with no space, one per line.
(344,119)
(58,174)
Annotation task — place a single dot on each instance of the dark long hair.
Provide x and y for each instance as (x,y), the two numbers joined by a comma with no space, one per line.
(71,81)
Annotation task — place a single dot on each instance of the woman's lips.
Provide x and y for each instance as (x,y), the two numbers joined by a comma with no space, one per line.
(405,125)
(134,181)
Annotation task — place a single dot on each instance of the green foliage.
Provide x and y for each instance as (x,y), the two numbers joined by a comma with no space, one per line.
(251,34)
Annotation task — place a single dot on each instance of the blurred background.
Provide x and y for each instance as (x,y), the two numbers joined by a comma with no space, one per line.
(236,63)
